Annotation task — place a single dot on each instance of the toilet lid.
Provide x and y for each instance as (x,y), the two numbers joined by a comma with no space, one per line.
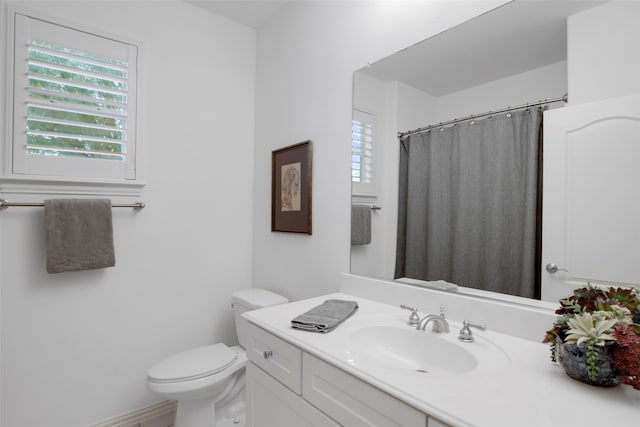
(193,364)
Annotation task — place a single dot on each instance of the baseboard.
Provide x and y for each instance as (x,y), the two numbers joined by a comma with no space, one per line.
(161,414)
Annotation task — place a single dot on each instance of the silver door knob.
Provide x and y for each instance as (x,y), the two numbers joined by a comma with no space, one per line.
(553,268)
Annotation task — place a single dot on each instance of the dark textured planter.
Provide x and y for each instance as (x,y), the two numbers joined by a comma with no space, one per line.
(573,359)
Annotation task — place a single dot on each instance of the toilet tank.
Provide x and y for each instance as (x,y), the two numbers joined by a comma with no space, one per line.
(251,299)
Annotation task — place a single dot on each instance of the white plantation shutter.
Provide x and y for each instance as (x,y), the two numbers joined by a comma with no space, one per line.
(362,148)
(74,103)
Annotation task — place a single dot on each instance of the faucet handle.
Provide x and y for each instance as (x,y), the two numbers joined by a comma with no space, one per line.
(465,333)
(414,319)
(442,311)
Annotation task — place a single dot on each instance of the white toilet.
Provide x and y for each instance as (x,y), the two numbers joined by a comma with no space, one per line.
(208,382)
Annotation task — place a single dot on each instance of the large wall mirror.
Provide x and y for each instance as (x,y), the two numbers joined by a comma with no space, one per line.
(514,56)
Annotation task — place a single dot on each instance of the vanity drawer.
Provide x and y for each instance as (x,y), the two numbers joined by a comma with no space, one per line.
(277,357)
(353,402)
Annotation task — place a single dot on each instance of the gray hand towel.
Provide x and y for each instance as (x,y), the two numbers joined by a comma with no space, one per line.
(360,224)
(326,316)
(79,234)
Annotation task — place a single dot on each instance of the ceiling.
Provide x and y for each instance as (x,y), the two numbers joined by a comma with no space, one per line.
(253,13)
(518,37)
(512,39)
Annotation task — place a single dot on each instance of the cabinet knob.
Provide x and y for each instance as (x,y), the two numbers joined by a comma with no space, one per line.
(267,354)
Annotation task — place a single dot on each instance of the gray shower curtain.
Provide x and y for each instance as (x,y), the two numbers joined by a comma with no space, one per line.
(468,204)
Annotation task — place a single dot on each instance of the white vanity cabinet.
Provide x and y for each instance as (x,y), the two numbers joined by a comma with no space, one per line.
(289,387)
(274,385)
(270,404)
(353,402)
(277,357)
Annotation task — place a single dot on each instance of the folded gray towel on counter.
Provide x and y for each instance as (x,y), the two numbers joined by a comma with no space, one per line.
(326,316)
(79,234)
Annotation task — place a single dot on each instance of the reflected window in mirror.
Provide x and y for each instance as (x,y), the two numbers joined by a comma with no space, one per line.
(362,152)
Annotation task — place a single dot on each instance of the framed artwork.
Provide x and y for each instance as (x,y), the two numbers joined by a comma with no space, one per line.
(291,188)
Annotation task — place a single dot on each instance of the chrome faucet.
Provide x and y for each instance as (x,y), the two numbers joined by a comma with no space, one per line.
(440,324)
(465,333)
(414,319)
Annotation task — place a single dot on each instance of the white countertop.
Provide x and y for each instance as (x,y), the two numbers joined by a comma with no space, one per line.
(528,391)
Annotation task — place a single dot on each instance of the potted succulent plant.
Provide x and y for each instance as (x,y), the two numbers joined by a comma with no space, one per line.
(596,337)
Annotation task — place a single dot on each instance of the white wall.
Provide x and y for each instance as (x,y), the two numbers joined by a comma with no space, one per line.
(546,82)
(76,346)
(602,50)
(413,108)
(306,57)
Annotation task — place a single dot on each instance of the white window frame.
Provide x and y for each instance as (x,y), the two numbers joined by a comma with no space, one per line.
(16,181)
(361,189)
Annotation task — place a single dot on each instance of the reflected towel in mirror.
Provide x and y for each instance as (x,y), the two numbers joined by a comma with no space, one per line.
(360,224)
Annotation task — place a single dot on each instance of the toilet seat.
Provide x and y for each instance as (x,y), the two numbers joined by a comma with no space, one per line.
(193,364)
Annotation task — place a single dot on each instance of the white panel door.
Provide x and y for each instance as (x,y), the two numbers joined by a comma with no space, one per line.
(591,191)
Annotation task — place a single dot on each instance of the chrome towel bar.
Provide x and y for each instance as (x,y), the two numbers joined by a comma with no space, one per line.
(5,204)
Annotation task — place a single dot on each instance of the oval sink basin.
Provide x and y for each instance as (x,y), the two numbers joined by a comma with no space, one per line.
(410,350)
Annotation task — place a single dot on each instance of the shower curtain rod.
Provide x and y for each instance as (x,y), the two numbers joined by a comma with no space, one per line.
(564,98)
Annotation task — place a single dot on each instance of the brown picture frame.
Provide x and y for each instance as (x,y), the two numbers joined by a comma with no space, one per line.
(291,168)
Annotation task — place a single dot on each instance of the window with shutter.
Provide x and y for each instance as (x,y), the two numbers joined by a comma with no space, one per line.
(362,148)
(74,103)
